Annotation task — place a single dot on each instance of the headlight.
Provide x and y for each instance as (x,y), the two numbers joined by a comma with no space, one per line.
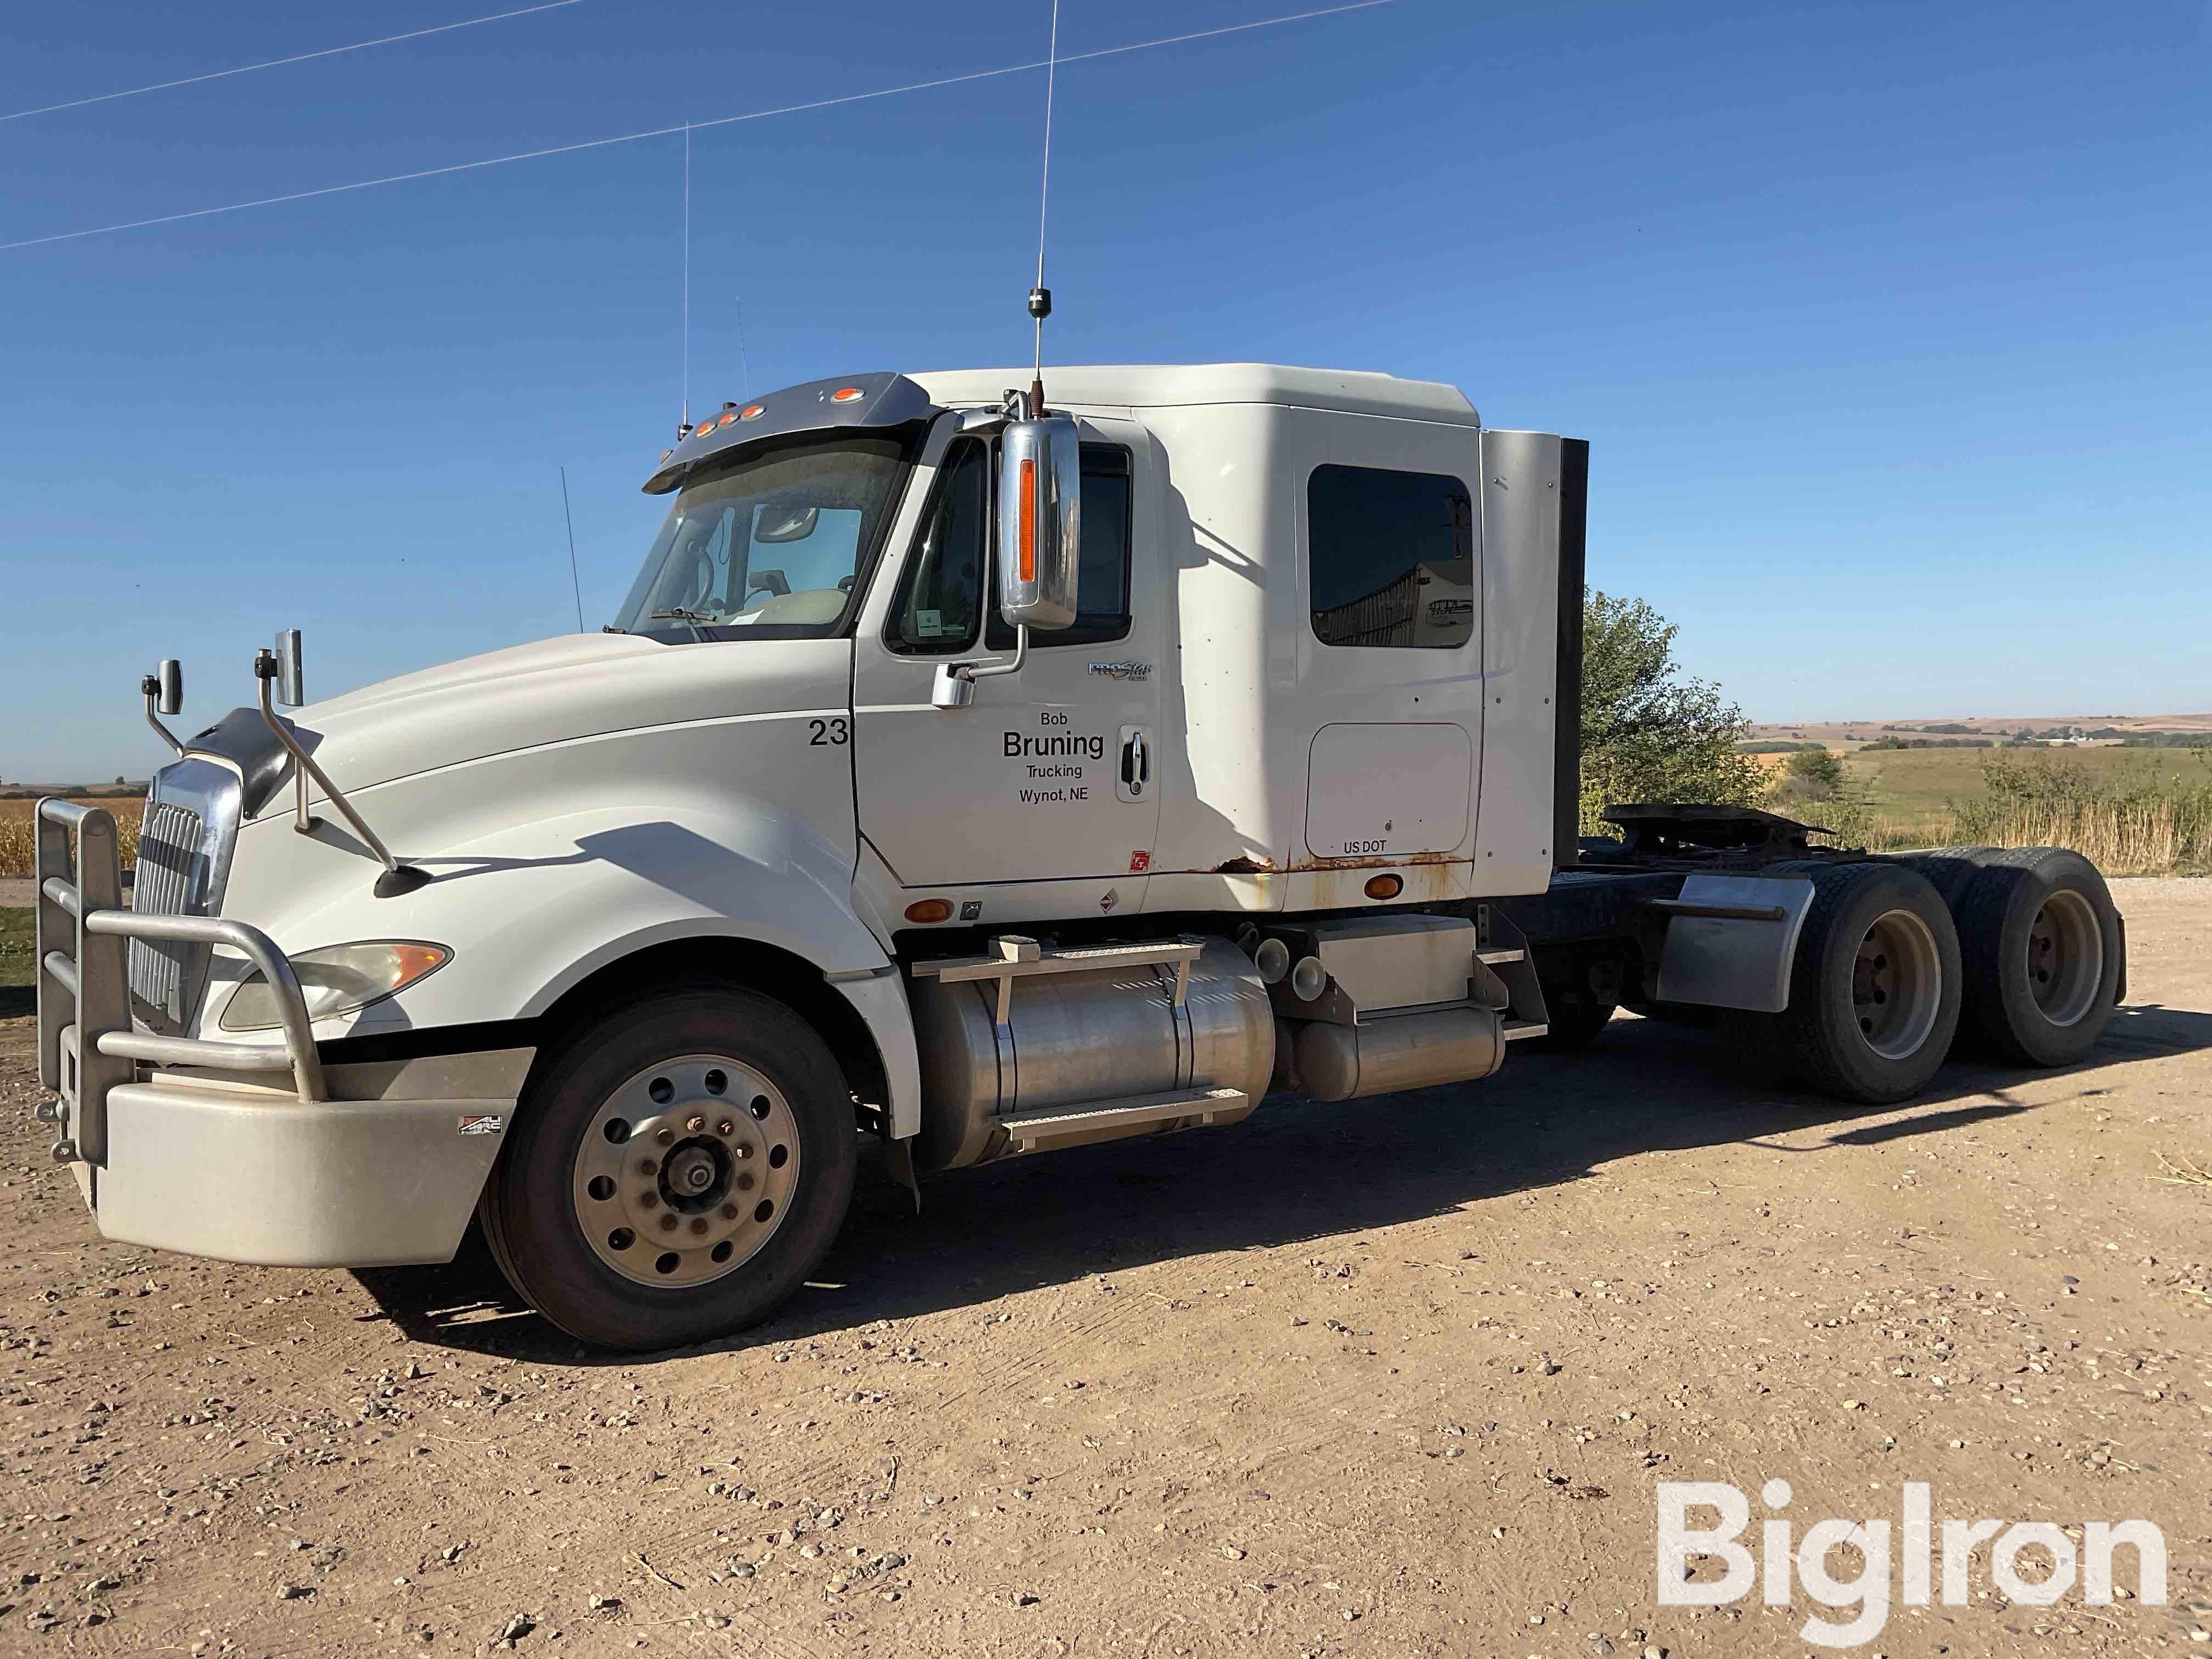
(337,979)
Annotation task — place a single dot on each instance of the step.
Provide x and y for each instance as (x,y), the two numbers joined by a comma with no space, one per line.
(1516,1029)
(953,970)
(1029,1132)
(1499,957)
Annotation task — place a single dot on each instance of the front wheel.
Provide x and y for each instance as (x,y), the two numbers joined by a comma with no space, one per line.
(676,1171)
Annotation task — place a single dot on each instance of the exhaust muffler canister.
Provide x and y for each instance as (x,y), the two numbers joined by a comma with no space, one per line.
(1382,1055)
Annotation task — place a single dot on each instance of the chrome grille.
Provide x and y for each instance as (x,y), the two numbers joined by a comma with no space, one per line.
(185,847)
(169,845)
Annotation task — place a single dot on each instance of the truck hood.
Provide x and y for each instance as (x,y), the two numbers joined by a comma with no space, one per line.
(550,691)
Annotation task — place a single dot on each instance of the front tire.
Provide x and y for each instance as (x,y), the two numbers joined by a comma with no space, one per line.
(676,1171)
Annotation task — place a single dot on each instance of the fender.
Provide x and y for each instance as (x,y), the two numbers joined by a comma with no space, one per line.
(532,909)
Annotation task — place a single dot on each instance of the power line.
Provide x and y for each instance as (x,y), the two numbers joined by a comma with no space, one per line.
(279,63)
(719,121)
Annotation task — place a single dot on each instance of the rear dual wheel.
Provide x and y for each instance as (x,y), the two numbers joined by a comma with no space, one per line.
(676,1171)
(2043,955)
(1874,990)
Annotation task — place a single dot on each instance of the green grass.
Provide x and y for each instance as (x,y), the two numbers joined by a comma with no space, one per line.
(1912,788)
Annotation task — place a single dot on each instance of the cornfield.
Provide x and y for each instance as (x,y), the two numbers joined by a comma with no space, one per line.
(19,834)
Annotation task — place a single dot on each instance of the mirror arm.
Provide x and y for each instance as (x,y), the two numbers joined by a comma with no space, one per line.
(398,878)
(993,668)
(955,685)
(152,688)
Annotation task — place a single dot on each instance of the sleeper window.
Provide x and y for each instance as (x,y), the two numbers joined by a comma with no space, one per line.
(1390,557)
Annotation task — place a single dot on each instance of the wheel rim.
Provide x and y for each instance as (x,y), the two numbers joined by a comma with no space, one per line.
(686,1170)
(1897,985)
(2065,960)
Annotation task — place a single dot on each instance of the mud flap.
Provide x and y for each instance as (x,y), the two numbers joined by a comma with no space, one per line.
(898,1158)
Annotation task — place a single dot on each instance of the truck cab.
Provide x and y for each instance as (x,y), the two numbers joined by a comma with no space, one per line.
(970,775)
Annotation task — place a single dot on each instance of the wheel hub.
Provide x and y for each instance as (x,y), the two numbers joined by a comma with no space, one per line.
(686,1170)
(1896,984)
(2065,959)
(694,1175)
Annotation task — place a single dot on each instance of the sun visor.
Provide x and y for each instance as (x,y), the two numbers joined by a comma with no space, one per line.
(858,400)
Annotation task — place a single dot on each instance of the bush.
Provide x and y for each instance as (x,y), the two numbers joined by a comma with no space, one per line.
(2145,827)
(1815,789)
(1814,774)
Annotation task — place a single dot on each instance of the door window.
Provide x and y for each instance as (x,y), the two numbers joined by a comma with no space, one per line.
(941,594)
(1389,557)
(942,591)
(1102,591)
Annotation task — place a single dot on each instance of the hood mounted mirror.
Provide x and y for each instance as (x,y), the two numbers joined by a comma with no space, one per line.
(164,691)
(282,679)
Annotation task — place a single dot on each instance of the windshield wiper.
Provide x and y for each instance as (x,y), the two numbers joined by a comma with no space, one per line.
(696,621)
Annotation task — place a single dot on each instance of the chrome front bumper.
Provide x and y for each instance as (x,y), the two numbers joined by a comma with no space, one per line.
(195,1145)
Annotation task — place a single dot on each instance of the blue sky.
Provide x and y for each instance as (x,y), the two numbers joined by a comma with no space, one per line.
(1888,323)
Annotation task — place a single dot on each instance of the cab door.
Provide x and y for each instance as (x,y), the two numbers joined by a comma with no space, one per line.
(1050,774)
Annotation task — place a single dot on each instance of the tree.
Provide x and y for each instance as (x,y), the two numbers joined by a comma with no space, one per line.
(1651,733)
(1814,775)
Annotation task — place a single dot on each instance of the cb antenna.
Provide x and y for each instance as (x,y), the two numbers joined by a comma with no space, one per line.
(576,577)
(1040,296)
(683,420)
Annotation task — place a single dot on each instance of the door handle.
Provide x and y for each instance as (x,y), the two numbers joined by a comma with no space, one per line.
(1136,764)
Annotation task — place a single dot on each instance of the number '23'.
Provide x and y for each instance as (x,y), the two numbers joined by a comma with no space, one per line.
(832,732)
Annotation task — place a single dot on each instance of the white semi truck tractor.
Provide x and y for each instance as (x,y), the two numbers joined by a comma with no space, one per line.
(977,778)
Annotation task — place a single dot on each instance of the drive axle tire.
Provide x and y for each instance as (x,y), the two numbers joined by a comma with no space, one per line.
(676,1171)
(1573,1020)
(1949,870)
(2041,946)
(1874,986)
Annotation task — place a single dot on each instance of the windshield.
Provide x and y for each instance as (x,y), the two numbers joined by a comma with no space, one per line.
(771,549)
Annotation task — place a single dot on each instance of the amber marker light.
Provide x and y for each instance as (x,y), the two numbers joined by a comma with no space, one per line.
(753,413)
(1028,521)
(847,394)
(924,912)
(1385,887)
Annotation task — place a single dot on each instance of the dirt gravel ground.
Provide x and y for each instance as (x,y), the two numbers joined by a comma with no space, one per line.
(1394,1377)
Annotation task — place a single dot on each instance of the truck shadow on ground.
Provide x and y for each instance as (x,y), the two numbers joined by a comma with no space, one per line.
(1296,1170)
